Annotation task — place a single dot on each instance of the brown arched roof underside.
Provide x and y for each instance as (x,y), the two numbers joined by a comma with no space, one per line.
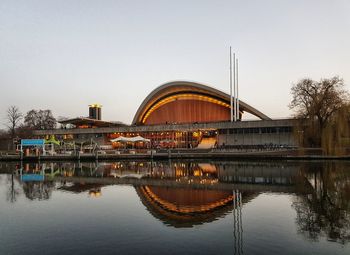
(184,87)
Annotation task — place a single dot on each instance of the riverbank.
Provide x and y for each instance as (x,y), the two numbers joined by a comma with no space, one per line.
(194,154)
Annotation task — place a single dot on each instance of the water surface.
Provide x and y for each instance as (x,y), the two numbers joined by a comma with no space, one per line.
(188,207)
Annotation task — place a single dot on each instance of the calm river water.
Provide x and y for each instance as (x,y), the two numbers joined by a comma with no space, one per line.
(175,207)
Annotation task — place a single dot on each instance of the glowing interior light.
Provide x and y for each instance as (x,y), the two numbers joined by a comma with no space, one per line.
(183,97)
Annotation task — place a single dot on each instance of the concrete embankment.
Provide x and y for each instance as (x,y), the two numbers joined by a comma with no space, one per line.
(261,155)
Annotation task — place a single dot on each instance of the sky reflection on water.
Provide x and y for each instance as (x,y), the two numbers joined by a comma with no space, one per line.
(294,208)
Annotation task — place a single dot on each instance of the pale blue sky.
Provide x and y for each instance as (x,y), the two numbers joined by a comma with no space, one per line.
(64,55)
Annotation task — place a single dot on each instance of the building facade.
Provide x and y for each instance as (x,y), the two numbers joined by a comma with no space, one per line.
(182,115)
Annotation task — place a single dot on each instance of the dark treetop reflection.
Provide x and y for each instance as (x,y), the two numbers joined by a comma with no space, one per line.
(241,207)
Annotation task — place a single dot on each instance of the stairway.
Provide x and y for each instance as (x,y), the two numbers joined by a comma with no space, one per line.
(207,143)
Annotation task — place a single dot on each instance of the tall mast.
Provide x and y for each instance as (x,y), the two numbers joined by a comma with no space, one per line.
(237,98)
(231,99)
(234,87)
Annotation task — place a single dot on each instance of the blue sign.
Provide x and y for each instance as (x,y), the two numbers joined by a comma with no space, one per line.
(32,142)
(32,177)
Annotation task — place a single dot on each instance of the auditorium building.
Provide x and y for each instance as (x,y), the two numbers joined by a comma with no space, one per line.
(179,114)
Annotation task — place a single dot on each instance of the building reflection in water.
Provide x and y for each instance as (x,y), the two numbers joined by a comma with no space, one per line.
(184,207)
(188,193)
(32,181)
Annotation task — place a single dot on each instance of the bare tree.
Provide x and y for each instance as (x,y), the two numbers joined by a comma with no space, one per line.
(14,116)
(31,119)
(42,119)
(317,101)
(48,121)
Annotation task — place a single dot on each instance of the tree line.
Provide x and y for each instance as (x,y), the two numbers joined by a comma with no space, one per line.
(323,109)
(19,124)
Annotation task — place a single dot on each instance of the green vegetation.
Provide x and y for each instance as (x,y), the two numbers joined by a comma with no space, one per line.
(323,108)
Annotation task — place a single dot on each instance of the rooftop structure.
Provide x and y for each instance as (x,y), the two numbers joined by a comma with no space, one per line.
(95,111)
(93,121)
(188,102)
(83,122)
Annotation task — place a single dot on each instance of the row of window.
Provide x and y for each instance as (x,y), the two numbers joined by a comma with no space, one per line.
(262,130)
